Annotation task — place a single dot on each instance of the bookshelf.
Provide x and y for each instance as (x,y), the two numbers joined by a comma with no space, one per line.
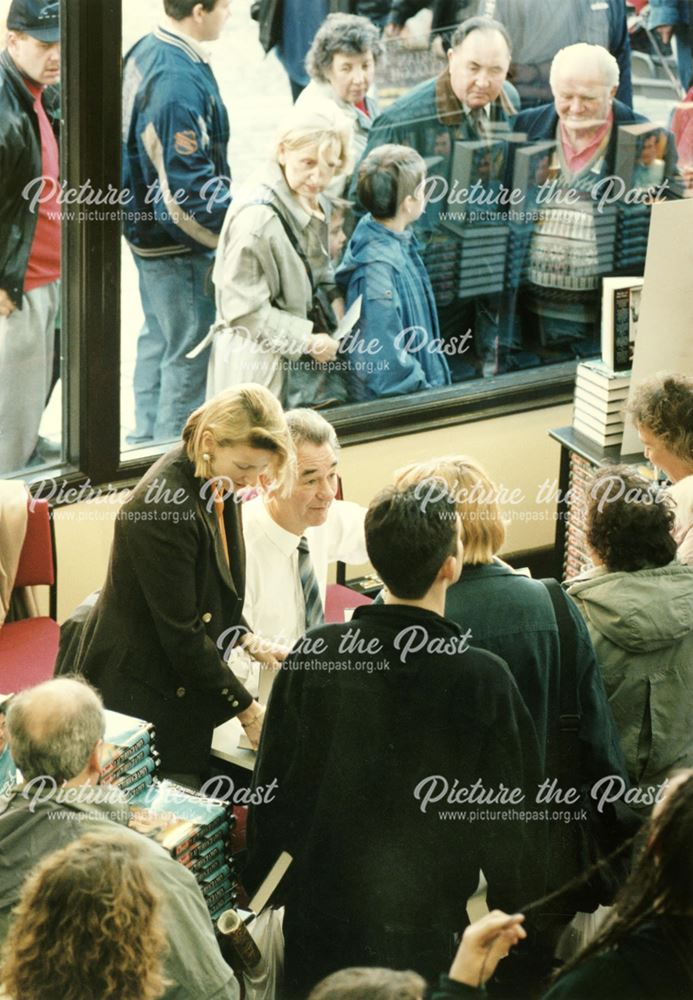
(580,457)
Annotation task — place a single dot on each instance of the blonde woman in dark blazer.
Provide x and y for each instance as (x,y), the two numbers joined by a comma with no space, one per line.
(172,603)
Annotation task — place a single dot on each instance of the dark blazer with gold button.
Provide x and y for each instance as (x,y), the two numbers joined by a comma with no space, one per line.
(153,642)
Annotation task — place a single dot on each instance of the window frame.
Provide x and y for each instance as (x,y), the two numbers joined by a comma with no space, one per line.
(91,144)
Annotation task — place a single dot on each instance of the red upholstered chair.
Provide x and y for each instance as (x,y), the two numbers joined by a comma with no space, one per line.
(28,648)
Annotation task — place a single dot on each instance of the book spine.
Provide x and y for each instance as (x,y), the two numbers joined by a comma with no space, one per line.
(621,328)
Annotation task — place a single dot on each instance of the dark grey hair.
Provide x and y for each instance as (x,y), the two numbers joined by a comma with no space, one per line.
(308,426)
(54,727)
(472,24)
(347,33)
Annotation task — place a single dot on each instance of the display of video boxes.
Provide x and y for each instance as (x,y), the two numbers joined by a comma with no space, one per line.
(640,155)
(477,162)
(532,168)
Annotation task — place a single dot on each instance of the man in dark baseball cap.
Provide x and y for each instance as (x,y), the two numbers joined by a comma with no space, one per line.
(29,230)
(38,18)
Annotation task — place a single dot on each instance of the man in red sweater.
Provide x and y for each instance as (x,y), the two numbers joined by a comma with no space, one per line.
(29,224)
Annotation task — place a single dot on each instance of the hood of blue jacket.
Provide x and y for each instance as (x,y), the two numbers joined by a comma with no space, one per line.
(372,242)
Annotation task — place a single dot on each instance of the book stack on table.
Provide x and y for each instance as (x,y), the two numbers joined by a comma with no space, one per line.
(600,398)
(196,831)
(128,755)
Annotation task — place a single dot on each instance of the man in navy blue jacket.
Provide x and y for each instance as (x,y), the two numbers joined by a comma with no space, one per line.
(176,133)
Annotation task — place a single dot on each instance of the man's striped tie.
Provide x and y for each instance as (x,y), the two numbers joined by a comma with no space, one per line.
(311,591)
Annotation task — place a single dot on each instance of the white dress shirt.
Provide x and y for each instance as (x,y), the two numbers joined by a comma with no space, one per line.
(274,607)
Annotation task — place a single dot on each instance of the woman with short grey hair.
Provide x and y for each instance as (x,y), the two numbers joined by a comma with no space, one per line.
(341,63)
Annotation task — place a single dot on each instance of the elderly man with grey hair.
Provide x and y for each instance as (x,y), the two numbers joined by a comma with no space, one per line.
(292,538)
(560,299)
(55,732)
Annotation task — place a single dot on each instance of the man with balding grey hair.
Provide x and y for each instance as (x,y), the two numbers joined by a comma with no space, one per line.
(291,539)
(564,262)
(55,731)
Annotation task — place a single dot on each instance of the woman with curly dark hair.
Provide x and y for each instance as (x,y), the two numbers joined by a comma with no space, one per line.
(87,927)
(662,409)
(638,605)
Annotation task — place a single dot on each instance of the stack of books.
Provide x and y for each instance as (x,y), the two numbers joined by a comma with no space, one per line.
(196,831)
(128,756)
(482,263)
(576,556)
(600,398)
(441,257)
(631,237)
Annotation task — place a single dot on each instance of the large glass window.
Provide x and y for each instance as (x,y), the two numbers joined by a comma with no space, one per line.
(498,271)
(524,211)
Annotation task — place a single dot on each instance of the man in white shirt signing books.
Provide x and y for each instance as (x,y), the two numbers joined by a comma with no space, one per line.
(291,540)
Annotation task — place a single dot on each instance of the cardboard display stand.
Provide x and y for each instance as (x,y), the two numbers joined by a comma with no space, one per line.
(665,326)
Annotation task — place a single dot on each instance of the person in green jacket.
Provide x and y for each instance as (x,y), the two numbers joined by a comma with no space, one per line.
(637,601)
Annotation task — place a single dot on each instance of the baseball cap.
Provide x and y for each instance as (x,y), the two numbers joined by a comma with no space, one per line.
(38,18)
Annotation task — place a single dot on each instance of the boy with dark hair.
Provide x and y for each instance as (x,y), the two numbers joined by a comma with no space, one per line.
(373,727)
(399,323)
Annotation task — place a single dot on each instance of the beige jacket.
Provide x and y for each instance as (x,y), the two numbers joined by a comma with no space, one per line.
(263,293)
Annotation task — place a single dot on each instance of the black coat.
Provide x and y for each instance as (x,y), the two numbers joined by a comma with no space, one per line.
(269,13)
(151,642)
(20,164)
(348,748)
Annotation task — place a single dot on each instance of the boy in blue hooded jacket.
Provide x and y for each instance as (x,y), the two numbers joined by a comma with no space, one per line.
(396,347)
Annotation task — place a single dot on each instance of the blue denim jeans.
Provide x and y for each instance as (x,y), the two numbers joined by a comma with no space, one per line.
(178,303)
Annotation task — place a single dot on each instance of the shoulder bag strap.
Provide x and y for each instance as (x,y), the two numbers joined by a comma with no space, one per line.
(568,747)
(290,235)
